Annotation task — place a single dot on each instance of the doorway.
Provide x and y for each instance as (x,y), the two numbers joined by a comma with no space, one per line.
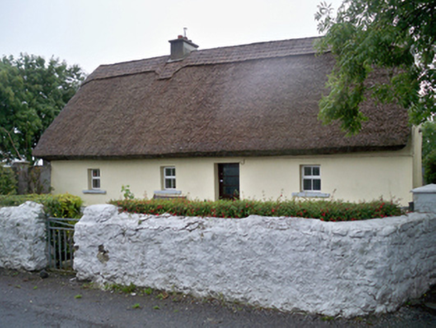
(228,180)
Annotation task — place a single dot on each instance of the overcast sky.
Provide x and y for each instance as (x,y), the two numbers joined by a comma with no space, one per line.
(94,32)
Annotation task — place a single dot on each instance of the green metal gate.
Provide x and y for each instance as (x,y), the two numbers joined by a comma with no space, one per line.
(60,243)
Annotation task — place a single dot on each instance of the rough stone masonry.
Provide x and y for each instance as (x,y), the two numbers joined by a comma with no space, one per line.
(22,237)
(332,268)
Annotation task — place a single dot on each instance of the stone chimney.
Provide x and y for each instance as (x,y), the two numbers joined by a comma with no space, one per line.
(181,48)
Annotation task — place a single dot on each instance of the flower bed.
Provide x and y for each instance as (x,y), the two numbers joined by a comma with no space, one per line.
(320,209)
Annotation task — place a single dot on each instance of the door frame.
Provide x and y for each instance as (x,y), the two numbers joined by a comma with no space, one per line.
(220,180)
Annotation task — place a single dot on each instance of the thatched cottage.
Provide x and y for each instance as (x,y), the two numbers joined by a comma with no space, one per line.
(226,122)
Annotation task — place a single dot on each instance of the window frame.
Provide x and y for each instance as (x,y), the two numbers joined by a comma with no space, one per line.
(94,178)
(171,177)
(310,177)
(91,178)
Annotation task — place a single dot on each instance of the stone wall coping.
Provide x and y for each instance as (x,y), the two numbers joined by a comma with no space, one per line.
(428,189)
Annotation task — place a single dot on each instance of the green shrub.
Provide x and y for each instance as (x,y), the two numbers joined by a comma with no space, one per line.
(61,206)
(430,167)
(125,190)
(8,183)
(15,200)
(323,210)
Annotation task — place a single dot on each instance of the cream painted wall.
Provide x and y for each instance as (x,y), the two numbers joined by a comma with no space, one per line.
(349,178)
(194,177)
(352,177)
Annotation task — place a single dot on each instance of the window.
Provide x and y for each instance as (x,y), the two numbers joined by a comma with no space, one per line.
(311,178)
(310,183)
(95,178)
(94,184)
(169,177)
(168,184)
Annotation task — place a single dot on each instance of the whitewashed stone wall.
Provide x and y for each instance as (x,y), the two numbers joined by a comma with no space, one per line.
(333,268)
(425,198)
(22,237)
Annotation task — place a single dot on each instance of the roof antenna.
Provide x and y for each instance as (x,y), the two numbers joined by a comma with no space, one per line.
(184,31)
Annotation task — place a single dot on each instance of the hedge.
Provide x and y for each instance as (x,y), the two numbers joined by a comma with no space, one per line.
(61,206)
(320,209)
(8,183)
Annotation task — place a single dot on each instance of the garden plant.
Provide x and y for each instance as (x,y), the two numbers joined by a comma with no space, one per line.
(325,210)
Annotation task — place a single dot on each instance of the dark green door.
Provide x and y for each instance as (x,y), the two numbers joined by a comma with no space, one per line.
(228,177)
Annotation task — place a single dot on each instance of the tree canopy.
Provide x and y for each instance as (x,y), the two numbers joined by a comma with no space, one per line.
(397,36)
(428,138)
(429,151)
(32,93)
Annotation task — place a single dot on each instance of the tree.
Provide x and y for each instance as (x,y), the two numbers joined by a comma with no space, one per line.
(398,36)
(8,183)
(32,93)
(428,138)
(430,167)
(429,151)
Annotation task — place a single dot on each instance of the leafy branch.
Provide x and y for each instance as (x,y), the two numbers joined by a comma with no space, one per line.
(394,37)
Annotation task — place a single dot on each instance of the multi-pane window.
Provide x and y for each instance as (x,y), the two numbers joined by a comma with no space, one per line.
(169,177)
(95,178)
(311,178)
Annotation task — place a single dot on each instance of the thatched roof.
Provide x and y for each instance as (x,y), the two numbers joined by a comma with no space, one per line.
(250,100)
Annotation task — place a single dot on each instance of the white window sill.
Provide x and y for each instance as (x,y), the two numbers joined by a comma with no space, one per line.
(94,191)
(310,194)
(168,192)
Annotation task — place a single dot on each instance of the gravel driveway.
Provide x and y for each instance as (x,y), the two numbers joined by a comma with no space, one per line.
(61,301)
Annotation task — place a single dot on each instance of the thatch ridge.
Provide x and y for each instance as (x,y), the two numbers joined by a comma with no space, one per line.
(214,103)
(213,56)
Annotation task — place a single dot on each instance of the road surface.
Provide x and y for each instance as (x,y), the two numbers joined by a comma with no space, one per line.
(27,300)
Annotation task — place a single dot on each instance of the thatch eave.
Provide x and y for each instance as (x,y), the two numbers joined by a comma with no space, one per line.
(218,154)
